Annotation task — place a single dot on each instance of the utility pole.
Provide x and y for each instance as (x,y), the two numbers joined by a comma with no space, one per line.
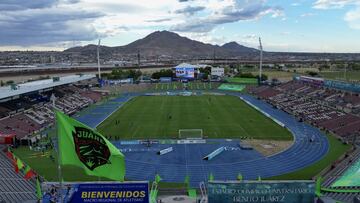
(138,60)
(261,58)
(98,59)
(214,57)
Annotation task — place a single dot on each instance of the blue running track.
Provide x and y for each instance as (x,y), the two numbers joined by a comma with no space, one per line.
(142,163)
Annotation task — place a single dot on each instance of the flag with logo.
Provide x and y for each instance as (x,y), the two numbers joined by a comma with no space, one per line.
(187,181)
(38,189)
(82,146)
(19,163)
(9,155)
(239,177)
(211,177)
(157,178)
(15,165)
(29,173)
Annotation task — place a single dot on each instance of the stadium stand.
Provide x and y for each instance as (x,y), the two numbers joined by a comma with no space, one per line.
(149,87)
(329,109)
(335,172)
(31,111)
(333,110)
(13,187)
(28,111)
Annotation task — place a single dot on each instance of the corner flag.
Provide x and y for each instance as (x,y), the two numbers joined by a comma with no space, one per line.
(157,178)
(38,189)
(239,177)
(81,146)
(211,177)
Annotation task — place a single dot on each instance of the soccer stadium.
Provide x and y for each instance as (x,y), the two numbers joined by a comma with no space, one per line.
(179,101)
(181,134)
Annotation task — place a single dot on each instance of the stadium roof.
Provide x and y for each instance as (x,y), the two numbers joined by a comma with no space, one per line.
(187,65)
(6,91)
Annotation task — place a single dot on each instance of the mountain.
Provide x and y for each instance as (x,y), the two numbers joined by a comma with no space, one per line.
(165,43)
(237,48)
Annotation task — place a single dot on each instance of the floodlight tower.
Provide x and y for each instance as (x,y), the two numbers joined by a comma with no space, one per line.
(138,59)
(98,58)
(261,58)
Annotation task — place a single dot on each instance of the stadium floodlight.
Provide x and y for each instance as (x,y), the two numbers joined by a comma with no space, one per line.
(190,134)
(98,58)
(261,59)
(53,99)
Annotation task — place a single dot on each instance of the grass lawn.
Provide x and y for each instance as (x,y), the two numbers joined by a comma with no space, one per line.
(231,87)
(281,75)
(47,167)
(162,116)
(243,80)
(350,75)
(337,148)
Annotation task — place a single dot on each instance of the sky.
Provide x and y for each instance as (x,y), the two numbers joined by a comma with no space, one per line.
(283,25)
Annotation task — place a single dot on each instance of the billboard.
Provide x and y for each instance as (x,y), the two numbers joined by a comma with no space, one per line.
(353,87)
(264,191)
(80,192)
(313,80)
(185,72)
(217,71)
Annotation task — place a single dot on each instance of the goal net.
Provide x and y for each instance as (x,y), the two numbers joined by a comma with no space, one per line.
(190,134)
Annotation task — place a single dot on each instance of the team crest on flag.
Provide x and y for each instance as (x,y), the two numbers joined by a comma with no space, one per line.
(91,148)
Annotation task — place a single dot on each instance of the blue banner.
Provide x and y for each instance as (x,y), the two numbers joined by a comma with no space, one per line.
(137,192)
(261,191)
(183,72)
(353,87)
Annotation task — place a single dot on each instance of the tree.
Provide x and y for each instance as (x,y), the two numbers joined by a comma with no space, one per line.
(206,70)
(263,77)
(9,82)
(121,74)
(134,74)
(162,73)
(2,83)
(312,73)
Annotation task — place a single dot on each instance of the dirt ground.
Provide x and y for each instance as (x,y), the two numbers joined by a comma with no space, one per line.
(268,147)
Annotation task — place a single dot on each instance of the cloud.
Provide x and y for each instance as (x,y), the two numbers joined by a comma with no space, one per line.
(207,38)
(353,18)
(39,22)
(331,4)
(159,20)
(14,5)
(233,11)
(45,21)
(285,33)
(189,10)
(307,15)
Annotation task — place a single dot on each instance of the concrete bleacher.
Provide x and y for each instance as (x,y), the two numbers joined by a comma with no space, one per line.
(38,113)
(325,108)
(13,187)
(6,91)
(335,173)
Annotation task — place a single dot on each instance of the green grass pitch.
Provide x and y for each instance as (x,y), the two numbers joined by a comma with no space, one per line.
(162,116)
(229,118)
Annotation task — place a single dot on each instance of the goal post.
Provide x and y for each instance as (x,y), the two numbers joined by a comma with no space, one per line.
(190,133)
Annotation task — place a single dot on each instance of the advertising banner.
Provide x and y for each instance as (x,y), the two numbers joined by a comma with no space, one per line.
(353,87)
(261,191)
(81,192)
(183,72)
(217,71)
